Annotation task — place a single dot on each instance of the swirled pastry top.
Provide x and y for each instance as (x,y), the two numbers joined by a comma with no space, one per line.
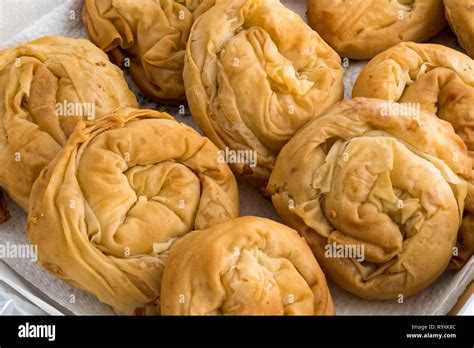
(460,14)
(360,29)
(435,78)
(47,86)
(152,34)
(246,266)
(254,74)
(377,192)
(122,190)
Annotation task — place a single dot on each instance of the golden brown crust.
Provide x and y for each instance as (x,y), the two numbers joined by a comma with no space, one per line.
(121,191)
(254,74)
(246,266)
(152,34)
(4,213)
(365,175)
(465,243)
(36,79)
(460,14)
(438,79)
(360,29)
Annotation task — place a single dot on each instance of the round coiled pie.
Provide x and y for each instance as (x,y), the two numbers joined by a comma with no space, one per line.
(123,189)
(46,87)
(254,74)
(459,14)
(378,193)
(438,80)
(246,266)
(147,36)
(360,29)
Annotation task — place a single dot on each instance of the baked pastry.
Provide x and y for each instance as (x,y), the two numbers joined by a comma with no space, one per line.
(151,34)
(46,87)
(246,266)
(435,78)
(377,191)
(459,14)
(254,74)
(4,213)
(360,29)
(105,212)
(465,243)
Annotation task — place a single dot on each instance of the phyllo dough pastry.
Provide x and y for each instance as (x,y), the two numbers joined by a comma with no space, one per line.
(46,87)
(246,266)
(360,29)
(377,191)
(254,74)
(465,244)
(460,16)
(109,206)
(149,37)
(437,79)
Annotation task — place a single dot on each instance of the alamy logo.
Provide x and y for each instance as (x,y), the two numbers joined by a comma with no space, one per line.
(345,251)
(400,109)
(246,157)
(19,251)
(67,109)
(37,331)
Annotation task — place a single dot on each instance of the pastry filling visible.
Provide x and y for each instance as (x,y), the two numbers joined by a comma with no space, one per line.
(258,283)
(369,193)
